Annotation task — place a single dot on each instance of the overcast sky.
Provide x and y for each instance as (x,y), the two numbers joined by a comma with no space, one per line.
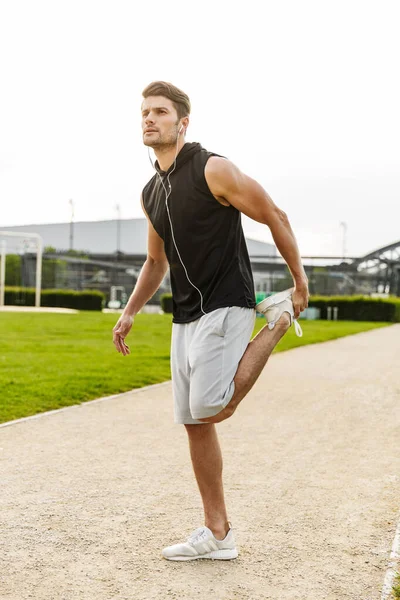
(302,96)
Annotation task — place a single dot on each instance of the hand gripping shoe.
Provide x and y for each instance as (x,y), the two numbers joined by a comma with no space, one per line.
(202,544)
(273,307)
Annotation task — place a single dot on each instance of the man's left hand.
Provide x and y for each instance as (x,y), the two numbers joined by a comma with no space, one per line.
(300,298)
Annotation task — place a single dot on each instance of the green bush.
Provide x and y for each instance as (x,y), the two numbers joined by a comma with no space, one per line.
(359,308)
(86,300)
(351,308)
(166,302)
(13,269)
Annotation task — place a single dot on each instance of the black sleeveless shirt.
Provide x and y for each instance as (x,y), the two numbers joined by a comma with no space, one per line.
(208,236)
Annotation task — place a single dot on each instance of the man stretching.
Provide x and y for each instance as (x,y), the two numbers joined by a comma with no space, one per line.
(193,205)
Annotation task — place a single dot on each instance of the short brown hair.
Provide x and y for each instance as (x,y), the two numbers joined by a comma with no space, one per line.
(179,99)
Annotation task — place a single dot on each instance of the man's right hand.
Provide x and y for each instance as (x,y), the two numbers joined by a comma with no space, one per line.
(120,331)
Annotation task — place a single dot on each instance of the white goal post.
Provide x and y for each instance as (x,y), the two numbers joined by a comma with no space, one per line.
(39,251)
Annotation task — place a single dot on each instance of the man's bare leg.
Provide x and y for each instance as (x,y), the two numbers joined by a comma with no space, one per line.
(251,364)
(204,445)
(206,457)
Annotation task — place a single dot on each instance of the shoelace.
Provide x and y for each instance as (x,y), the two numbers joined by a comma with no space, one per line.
(197,536)
(298,329)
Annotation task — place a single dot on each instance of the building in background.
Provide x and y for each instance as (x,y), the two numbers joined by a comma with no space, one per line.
(84,255)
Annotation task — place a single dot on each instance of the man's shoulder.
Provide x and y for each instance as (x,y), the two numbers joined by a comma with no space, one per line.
(209,154)
(217,166)
(207,160)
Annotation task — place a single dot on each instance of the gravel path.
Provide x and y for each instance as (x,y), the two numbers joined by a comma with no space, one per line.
(91,494)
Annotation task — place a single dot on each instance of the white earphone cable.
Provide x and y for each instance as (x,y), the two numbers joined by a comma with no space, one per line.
(167,195)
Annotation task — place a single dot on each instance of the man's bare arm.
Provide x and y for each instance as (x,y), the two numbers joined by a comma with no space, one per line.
(152,272)
(149,280)
(226,181)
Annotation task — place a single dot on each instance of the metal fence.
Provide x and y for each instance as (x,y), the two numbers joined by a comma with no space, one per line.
(270,275)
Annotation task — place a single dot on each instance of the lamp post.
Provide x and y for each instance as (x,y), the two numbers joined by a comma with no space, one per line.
(344,225)
(71,226)
(118,209)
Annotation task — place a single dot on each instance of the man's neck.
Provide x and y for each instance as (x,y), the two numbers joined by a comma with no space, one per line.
(166,156)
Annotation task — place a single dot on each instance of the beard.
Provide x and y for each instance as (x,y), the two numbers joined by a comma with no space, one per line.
(160,141)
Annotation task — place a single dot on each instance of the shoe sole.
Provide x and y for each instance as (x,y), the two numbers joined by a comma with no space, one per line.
(273,300)
(215,555)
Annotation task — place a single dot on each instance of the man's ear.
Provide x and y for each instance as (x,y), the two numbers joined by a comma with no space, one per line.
(185,123)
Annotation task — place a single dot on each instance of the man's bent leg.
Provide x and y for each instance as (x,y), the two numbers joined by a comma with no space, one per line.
(206,457)
(251,364)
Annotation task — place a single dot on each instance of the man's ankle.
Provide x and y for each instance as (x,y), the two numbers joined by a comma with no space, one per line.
(219,532)
(284,320)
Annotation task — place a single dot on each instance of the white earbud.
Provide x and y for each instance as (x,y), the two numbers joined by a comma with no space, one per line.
(181,129)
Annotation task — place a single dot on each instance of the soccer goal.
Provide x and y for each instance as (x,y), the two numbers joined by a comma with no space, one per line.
(39,250)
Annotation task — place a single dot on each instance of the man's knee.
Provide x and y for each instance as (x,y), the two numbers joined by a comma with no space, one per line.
(206,406)
(198,429)
(203,406)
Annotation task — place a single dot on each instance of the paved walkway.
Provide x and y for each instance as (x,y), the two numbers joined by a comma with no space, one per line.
(90,494)
(37,309)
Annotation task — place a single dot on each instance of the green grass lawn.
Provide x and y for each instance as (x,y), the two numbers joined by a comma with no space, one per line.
(48,361)
(396,586)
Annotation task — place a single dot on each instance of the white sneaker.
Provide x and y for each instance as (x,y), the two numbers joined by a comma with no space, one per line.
(273,307)
(202,544)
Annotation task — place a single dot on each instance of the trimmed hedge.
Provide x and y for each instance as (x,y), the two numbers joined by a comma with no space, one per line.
(359,308)
(166,303)
(86,300)
(351,308)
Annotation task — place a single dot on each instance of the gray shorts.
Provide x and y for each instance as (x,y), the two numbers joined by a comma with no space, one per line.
(204,359)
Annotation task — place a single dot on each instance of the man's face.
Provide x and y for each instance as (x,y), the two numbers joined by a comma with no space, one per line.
(160,123)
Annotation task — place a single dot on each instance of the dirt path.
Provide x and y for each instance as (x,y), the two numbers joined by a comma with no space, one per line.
(90,494)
